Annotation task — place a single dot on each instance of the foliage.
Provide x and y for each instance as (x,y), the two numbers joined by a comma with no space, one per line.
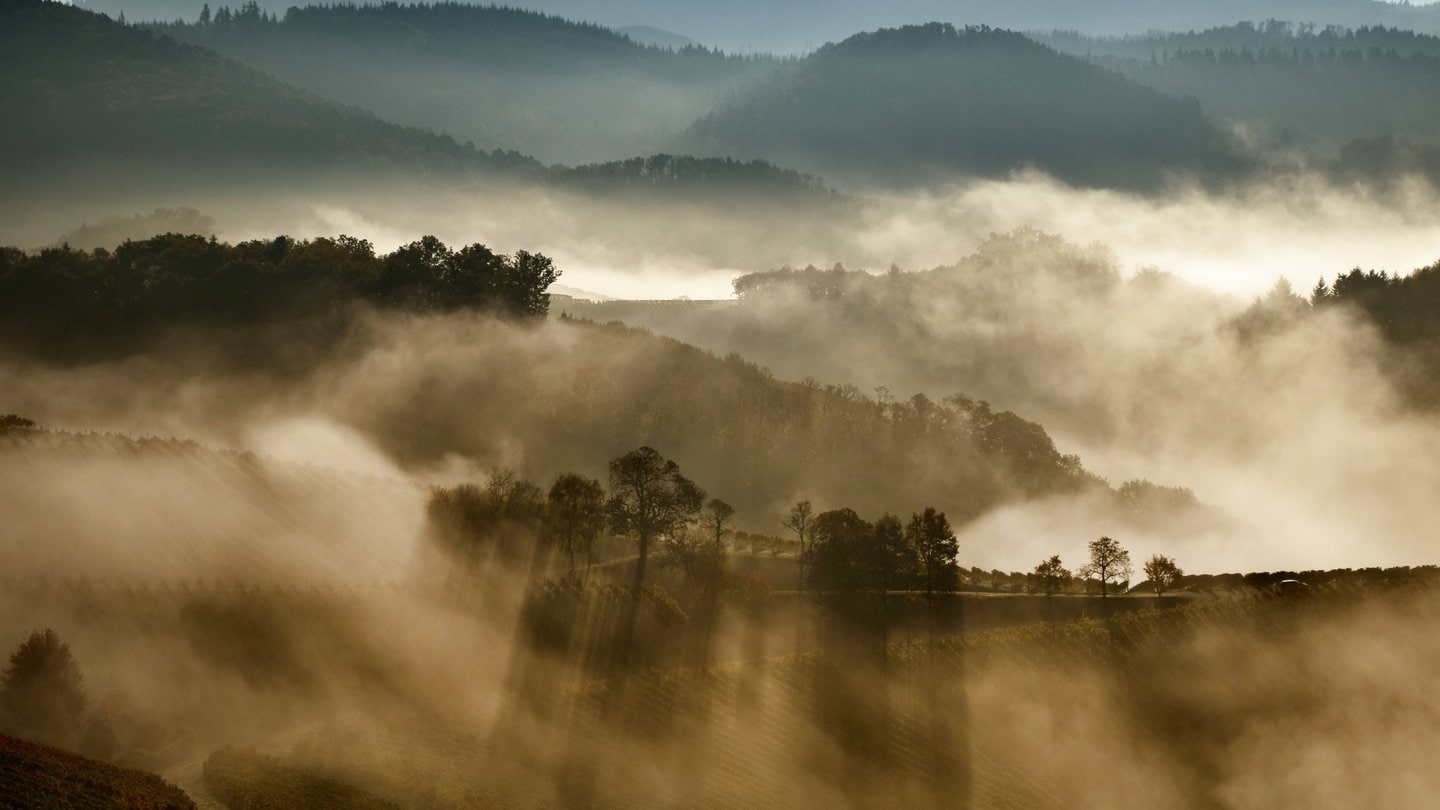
(1053,576)
(716,518)
(848,554)
(933,543)
(1163,573)
(111,231)
(505,518)
(1404,309)
(650,499)
(1109,564)
(35,777)
(575,515)
(15,422)
(41,696)
(67,304)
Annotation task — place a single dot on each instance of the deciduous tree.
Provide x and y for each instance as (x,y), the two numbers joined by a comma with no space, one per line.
(41,697)
(649,499)
(575,515)
(1109,563)
(1163,573)
(1052,575)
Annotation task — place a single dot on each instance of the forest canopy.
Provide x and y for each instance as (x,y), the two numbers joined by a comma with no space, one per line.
(129,296)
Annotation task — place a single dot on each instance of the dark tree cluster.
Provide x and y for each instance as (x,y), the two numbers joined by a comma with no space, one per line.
(61,303)
(846,554)
(42,697)
(1403,308)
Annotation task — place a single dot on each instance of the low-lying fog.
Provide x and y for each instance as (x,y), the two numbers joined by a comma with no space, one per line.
(1301,439)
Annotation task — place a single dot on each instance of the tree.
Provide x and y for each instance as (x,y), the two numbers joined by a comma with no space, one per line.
(894,554)
(15,422)
(840,554)
(1053,576)
(1109,562)
(1163,573)
(935,546)
(799,521)
(649,499)
(717,516)
(41,697)
(506,517)
(575,515)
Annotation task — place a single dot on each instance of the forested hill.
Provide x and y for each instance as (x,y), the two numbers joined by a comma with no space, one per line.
(432,384)
(925,104)
(1287,80)
(564,91)
(89,102)
(793,28)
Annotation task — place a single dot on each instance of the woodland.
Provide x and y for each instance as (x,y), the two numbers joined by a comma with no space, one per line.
(440,405)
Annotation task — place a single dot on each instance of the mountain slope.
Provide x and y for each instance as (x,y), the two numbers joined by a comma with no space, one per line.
(762,26)
(564,91)
(1299,83)
(87,101)
(925,104)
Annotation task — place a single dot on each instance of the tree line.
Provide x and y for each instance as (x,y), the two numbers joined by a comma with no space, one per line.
(1403,307)
(62,303)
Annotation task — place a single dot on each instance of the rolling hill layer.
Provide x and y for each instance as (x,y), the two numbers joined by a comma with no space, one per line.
(89,102)
(922,105)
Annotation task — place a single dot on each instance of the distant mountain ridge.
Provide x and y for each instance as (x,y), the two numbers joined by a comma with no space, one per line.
(759,26)
(567,92)
(1292,82)
(932,103)
(90,100)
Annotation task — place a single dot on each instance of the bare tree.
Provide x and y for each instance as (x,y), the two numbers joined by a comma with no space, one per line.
(799,521)
(1109,563)
(1163,573)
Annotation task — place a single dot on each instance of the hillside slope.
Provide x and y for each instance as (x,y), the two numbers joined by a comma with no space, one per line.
(1292,82)
(36,777)
(87,102)
(921,105)
(563,91)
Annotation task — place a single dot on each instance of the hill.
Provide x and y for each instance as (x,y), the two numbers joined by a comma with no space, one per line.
(39,778)
(749,26)
(543,397)
(563,91)
(1286,81)
(88,103)
(923,105)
